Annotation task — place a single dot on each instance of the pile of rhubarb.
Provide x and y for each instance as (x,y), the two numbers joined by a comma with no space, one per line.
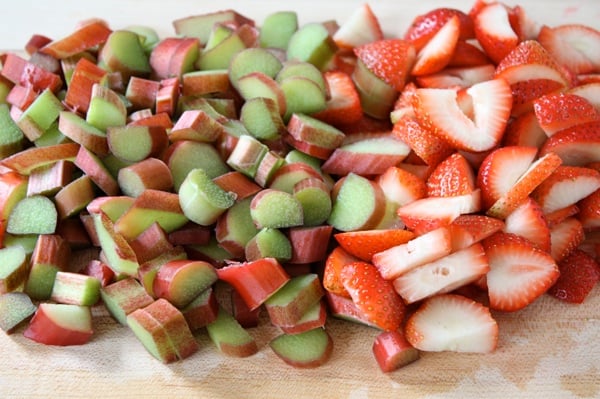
(236,175)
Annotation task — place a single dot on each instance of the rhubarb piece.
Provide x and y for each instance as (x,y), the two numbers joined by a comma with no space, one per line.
(60,324)
(26,74)
(220,55)
(255,281)
(149,141)
(202,311)
(313,132)
(202,200)
(235,228)
(259,85)
(149,174)
(230,337)
(276,209)
(197,125)
(247,155)
(15,309)
(151,243)
(268,243)
(190,234)
(106,108)
(262,118)
(252,60)
(13,188)
(200,26)
(240,311)
(309,243)
(100,270)
(11,136)
(80,131)
(267,168)
(277,29)
(74,197)
(75,289)
(185,155)
(302,96)
(288,175)
(49,179)
(198,83)
(141,93)
(344,308)
(86,37)
(152,335)
(315,317)
(27,160)
(40,115)
(288,305)
(314,196)
(50,255)
(377,97)
(358,204)
(180,281)
(151,206)
(309,349)
(148,270)
(392,351)
(13,268)
(117,250)
(33,215)
(312,43)
(113,206)
(85,74)
(123,53)
(92,166)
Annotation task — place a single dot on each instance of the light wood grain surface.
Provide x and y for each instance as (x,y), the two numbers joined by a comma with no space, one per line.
(549,350)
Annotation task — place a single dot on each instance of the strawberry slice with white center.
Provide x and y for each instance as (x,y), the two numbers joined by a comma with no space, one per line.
(401,186)
(575,46)
(452,322)
(467,230)
(439,111)
(558,111)
(566,186)
(457,77)
(424,27)
(343,105)
(453,176)
(565,237)
(519,272)
(576,146)
(494,31)
(360,28)
(589,91)
(524,130)
(443,275)
(528,221)
(438,51)
(418,251)
(589,214)
(429,213)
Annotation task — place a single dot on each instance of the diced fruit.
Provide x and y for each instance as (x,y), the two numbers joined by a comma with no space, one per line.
(308,349)
(180,281)
(13,268)
(579,274)
(75,289)
(60,324)
(392,351)
(454,323)
(123,297)
(294,299)
(230,337)
(364,244)
(15,309)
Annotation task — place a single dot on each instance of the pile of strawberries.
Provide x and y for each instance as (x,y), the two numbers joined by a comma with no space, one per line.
(499,199)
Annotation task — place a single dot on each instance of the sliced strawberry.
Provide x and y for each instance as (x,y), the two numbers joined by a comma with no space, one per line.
(558,111)
(365,243)
(335,262)
(424,27)
(523,25)
(590,211)
(528,221)
(524,130)
(439,49)
(467,230)
(443,275)
(566,186)
(429,213)
(535,175)
(430,148)
(453,176)
(579,274)
(343,105)
(457,77)
(589,91)
(501,169)
(554,218)
(467,54)
(438,110)
(574,45)
(360,28)
(401,186)
(373,295)
(452,322)
(577,146)
(519,271)
(565,237)
(397,260)
(494,32)
(389,59)
(403,105)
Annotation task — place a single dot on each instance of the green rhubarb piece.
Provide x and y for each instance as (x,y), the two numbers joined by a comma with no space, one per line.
(188,155)
(5,88)
(200,26)
(211,251)
(152,335)
(123,52)
(75,289)
(123,297)
(106,109)
(236,227)
(12,138)
(295,68)
(257,84)
(294,299)
(33,215)
(296,156)
(219,56)
(254,59)
(148,270)
(230,337)
(120,257)
(235,128)
(27,241)
(41,280)
(308,349)
(51,136)
(246,155)
(148,36)
(262,119)
(277,29)
(315,198)
(268,167)
(276,209)
(218,33)
(121,138)
(201,199)
(13,268)
(44,110)
(302,96)
(269,243)
(15,309)
(354,203)
(312,43)
(314,131)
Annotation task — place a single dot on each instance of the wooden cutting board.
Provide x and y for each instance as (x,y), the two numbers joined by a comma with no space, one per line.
(549,350)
